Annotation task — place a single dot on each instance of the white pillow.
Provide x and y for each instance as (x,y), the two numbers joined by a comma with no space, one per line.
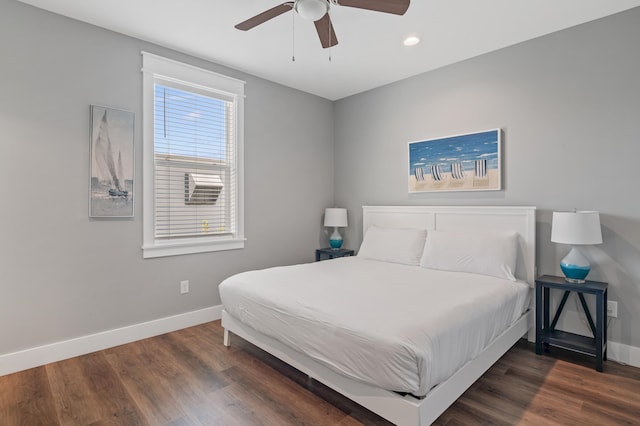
(397,245)
(471,251)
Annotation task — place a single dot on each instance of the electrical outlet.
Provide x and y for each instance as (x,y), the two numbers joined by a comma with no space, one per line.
(184,287)
(612,309)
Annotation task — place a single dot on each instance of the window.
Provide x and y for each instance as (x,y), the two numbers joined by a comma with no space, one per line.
(192,159)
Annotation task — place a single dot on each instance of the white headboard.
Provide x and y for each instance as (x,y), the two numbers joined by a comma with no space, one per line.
(486,218)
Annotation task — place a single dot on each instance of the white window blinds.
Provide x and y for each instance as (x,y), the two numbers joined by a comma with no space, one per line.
(195,149)
(194,163)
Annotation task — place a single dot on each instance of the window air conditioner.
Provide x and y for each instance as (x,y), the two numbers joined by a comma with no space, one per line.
(201,189)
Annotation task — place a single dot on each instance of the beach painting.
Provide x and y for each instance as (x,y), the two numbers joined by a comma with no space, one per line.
(469,162)
(112,163)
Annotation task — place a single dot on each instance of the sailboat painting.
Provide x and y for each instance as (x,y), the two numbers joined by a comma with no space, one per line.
(112,162)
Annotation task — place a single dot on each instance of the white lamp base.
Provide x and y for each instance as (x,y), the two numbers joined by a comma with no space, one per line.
(575,266)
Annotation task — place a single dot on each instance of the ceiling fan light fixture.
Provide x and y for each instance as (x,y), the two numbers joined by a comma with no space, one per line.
(311,10)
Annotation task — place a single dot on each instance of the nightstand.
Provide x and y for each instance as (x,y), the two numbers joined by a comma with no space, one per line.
(546,333)
(329,253)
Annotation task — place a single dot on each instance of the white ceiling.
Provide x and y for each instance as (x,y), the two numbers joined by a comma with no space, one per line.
(370,51)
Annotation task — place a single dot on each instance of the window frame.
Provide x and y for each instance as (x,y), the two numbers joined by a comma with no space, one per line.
(156,68)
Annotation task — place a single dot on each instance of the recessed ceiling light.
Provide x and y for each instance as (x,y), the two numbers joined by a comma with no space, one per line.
(411,40)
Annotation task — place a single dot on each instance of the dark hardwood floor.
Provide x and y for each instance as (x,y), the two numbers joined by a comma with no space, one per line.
(189,378)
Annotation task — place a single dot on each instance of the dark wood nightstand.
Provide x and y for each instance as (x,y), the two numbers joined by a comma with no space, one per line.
(330,253)
(546,333)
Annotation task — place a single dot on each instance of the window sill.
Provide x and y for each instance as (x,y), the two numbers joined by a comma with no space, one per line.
(173,248)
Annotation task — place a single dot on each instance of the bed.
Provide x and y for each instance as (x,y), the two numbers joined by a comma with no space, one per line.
(432,333)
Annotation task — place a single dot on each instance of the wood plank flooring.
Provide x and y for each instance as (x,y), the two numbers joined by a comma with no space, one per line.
(189,378)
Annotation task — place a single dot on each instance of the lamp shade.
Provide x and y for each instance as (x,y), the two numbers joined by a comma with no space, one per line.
(335,217)
(576,228)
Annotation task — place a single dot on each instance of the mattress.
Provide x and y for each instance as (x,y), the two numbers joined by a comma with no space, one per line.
(401,328)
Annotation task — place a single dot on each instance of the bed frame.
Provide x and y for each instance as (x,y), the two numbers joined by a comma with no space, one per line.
(408,410)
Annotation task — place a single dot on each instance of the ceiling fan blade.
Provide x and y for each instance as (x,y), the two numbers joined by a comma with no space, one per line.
(397,7)
(265,16)
(325,31)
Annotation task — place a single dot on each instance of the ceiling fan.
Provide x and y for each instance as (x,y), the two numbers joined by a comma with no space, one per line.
(318,12)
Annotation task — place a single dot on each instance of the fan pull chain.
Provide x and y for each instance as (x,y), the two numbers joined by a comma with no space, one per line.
(293,37)
(330,26)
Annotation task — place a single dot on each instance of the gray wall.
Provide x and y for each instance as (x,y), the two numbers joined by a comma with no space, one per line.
(63,275)
(569,107)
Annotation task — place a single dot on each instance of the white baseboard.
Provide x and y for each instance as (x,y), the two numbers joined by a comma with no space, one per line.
(41,355)
(623,354)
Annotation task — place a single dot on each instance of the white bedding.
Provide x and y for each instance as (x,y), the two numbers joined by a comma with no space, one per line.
(397,327)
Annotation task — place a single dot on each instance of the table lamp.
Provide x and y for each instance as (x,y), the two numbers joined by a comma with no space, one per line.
(576,228)
(337,218)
